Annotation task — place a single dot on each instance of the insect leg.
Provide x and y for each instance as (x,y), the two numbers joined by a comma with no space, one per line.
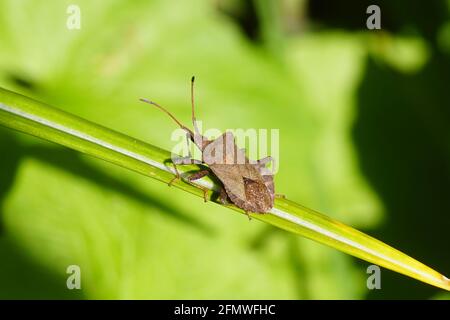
(261,165)
(198,175)
(264,161)
(280,196)
(248,215)
(223,197)
(177,175)
(181,161)
(186,160)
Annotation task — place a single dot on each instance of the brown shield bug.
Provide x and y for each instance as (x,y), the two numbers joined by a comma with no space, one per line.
(247,184)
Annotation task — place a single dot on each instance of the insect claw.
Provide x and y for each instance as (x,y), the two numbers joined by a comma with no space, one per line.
(280,196)
(248,215)
(176,178)
(223,196)
(177,175)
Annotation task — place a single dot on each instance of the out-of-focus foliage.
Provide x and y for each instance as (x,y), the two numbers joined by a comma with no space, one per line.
(346,103)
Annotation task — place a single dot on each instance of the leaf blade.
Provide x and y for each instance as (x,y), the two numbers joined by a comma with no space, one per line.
(35,118)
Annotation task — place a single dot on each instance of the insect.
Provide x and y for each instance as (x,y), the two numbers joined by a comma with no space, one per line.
(247,184)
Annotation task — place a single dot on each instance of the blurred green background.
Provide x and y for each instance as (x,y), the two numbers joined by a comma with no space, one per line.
(364,119)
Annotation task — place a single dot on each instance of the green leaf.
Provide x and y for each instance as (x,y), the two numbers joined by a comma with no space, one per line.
(23,114)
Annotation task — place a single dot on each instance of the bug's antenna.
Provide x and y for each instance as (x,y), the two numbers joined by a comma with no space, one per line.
(168,113)
(194,121)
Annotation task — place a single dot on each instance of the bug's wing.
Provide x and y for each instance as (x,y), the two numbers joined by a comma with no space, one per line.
(231,177)
(251,172)
(223,150)
(268,181)
(242,180)
(259,199)
(259,190)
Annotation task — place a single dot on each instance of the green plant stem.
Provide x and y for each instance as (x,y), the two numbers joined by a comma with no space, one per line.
(35,118)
